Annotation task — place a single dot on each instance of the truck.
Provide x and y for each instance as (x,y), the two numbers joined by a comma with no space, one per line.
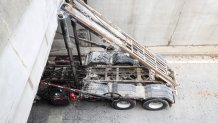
(122,75)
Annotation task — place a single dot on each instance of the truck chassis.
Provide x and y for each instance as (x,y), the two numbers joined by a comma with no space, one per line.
(120,77)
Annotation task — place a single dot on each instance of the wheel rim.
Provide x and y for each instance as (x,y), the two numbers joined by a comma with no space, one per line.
(155,105)
(123,104)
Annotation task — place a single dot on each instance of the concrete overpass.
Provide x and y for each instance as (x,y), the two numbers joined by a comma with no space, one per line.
(26,35)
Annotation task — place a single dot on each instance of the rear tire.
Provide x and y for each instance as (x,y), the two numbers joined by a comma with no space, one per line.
(57,96)
(123,104)
(155,104)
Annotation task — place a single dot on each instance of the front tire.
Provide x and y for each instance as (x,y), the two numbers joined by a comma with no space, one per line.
(123,104)
(155,104)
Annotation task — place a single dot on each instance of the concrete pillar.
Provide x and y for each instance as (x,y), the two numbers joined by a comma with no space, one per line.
(27,31)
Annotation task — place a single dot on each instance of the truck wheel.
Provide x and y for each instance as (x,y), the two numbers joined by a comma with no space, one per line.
(57,96)
(123,104)
(155,104)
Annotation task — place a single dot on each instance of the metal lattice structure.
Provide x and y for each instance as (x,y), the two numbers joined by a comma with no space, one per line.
(94,21)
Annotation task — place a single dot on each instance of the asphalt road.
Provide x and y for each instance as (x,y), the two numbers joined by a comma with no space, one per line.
(196,102)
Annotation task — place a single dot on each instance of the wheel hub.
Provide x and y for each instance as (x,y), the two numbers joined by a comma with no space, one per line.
(155,105)
(123,104)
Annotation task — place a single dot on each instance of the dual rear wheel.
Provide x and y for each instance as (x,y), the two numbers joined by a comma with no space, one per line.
(155,104)
(123,104)
(151,104)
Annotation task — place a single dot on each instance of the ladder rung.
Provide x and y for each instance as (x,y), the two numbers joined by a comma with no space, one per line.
(82,13)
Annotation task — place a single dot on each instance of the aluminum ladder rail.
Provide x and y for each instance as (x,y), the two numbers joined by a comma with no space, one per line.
(94,21)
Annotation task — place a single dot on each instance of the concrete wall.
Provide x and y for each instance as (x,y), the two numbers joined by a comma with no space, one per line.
(165,23)
(26,34)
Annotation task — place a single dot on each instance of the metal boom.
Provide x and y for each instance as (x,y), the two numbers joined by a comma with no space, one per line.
(94,21)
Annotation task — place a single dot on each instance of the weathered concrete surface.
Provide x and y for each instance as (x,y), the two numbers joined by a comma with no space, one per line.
(26,34)
(196,101)
(11,13)
(164,22)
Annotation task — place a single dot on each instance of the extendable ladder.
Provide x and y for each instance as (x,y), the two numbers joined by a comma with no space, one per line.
(94,21)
